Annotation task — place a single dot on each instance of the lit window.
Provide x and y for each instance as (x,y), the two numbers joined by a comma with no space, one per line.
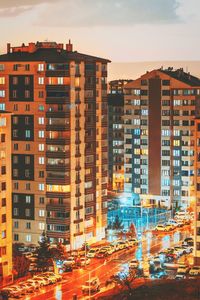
(42,226)
(2,80)
(41,147)
(2,93)
(41,120)
(58,188)
(40,67)
(41,134)
(28,134)
(41,186)
(28,238)
(41,80)
(41,160)
(41,213)
(28,199)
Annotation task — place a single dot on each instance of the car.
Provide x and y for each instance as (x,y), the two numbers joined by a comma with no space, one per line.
(180,250)
(172,222)
(169,227)
(67,268)
(36,284)
(160,227)
(12,291)
(116,246)
(188,249)
(57,276)
(51,279)
(183,269)
(134,264)
(42,280)
(83,261)
(70,261)
(133,241)
(26,287)
(159,275)
(102,253)
(91,286)
(109,249)
(188,241)
(91,253)
(122,245)
(180,223)
(180,277)
(194,271)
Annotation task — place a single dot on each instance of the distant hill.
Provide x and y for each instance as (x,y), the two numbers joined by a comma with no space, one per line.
(134,70)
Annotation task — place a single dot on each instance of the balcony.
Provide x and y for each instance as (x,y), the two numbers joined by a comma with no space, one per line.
(78,207)
(58,154)
(77,221)
(59,168)
(78,233)
(57,100)
(56,234)
(78,168)
(77,154)
(58,207)
(58,114)
(57,73)
(58,141)
(58,127)
(57,180)
(60,221)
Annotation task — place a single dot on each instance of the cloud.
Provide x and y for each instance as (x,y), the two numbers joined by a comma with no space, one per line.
(86,13)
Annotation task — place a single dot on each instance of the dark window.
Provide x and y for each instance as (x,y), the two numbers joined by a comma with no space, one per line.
(3,218)
(3,170)
(41,200)
(15,67)
(16,237)
(144,92)
(166,82)
(41,174)
(27,67)
(15,146)
(166,92)
(3,186)
(144,82)
(3,201)
(40,94)
(3,137)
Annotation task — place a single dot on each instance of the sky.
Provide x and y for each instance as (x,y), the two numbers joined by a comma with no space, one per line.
(120,30)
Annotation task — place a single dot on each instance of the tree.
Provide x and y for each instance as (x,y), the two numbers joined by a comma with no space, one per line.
(117,224)
(44,255)
(21,265)
(125,280)
(58,252)
(132,230)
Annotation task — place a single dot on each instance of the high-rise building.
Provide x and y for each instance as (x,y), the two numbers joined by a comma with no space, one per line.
(159,137)
(59,142)
(5,194)
(116,134)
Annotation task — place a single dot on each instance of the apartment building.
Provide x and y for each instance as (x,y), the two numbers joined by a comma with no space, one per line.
(116,134)
(59,142)
(159,137)
(5,195)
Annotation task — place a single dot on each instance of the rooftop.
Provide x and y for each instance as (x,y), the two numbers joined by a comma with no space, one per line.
(48,52)
(180,75)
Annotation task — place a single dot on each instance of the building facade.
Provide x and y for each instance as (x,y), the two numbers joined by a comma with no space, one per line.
(116,134)
(159,137)
(5,194)
(59,142)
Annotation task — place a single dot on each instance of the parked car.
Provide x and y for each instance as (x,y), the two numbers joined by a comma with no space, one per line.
(122,245)
(134,264)
(160,227)
(92,253)
(26,287)
(102,253)
(194,271)
(57,276)
(42,280)
(70,261)
(109,249)
(133,241)
(188,241)
(36,284)
(12,291)
(183,269)
(169,227)
(84,261)
(180,276)
(92,285)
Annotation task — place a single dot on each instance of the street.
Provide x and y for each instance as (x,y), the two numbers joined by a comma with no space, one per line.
(104,268)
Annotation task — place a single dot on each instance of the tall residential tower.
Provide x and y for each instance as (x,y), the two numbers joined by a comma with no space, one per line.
(59,142)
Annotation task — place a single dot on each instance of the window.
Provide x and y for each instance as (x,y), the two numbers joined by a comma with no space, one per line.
(27,80)
(41,80)
(40,67)
(2,106)
(27,107)
(27,212)
(3,234)
(15,146)
(27,94)
(3,137)
(27,134)
(27,67)
(41,147)
(16,224)
(16,237)
(2,80)
(41,200)
(40,94)
(28,225)
(28,147)
(2,93)
(27,120)
(41,120)
(3,202)
(41,134)
(27,160)
(41,174)
(15,107)
(16,185)
(3,186)
(27,186)
(28,238)
(28,199)
(41,186)
(3,218)
(41,160)
(2,67)
(42,226)
(3,170)
(14,94)
(16,211)
(41,213)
